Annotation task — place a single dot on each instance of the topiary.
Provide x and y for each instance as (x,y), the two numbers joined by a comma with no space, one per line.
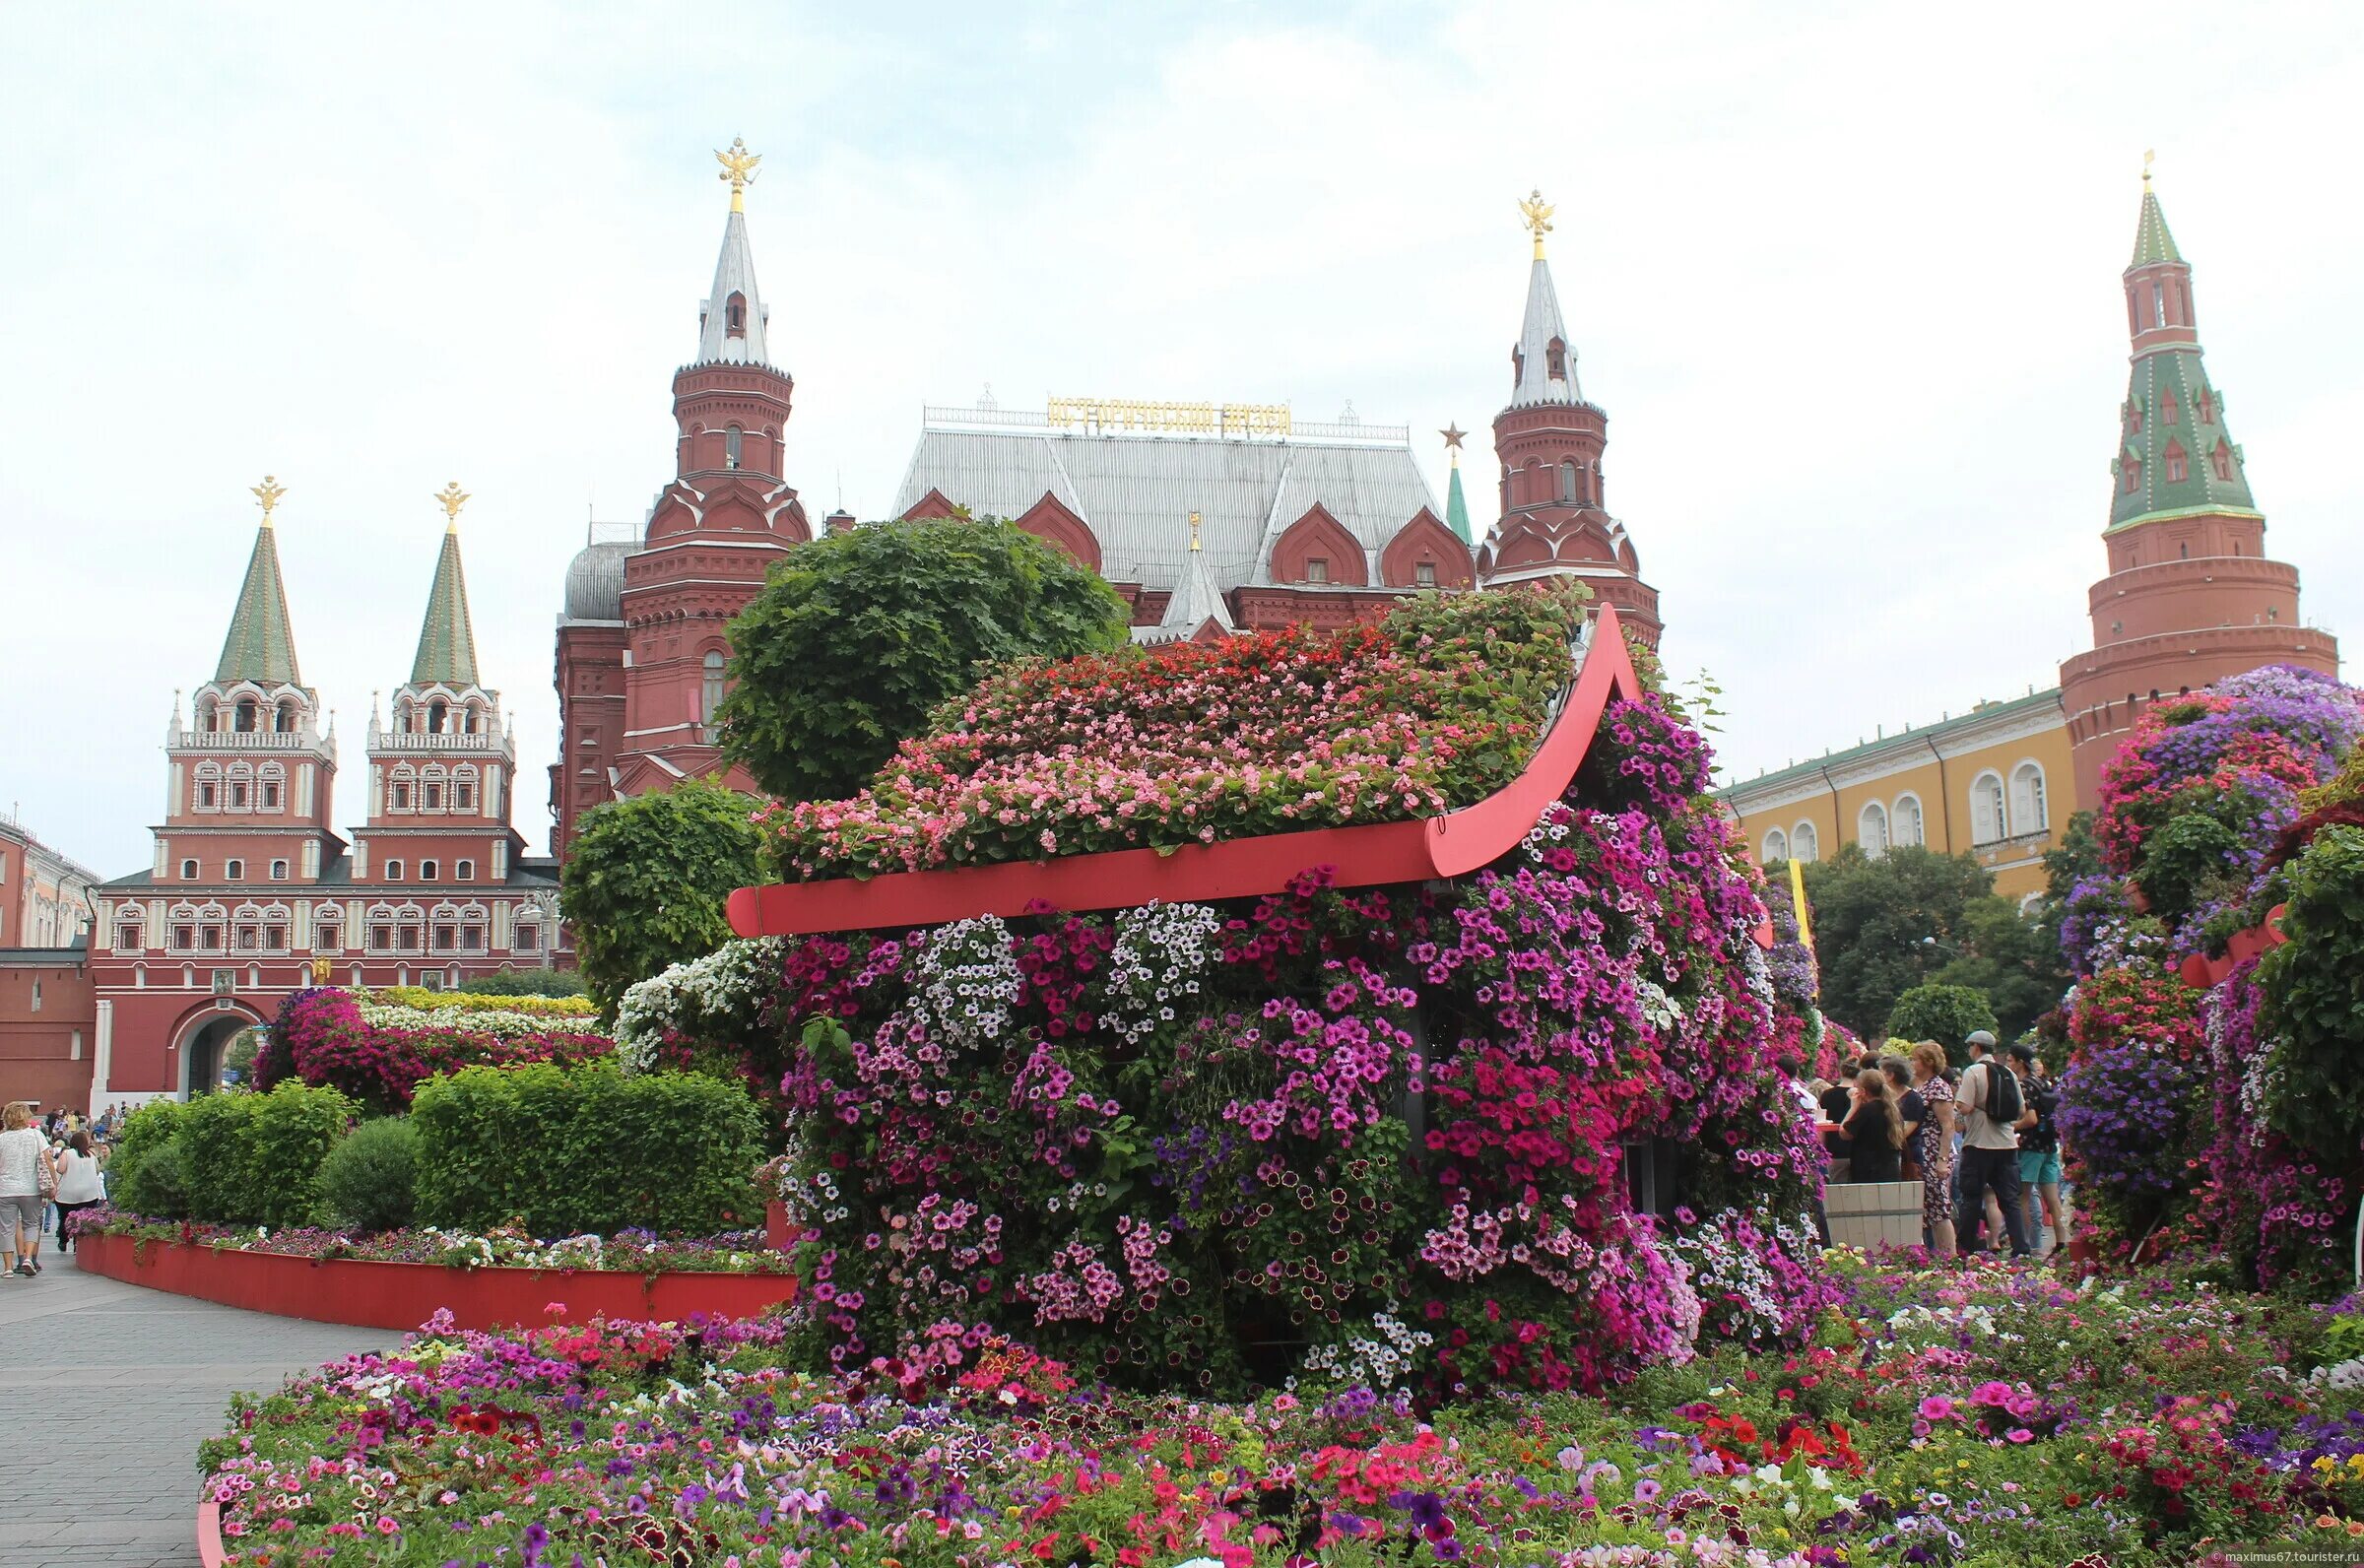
(1948,1015)
(370,1181)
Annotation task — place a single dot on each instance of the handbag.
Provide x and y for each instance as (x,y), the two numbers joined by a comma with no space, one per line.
(46,1172)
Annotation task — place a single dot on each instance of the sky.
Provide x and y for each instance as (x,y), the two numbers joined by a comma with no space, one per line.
(1845,278)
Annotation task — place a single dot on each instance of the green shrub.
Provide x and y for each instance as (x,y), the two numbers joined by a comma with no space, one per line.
(525,983)
(1948,1015)
(564,1151)
(216,1146)
(144,1174)
(370,1181)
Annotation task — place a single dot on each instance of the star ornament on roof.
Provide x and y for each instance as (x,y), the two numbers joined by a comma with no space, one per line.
(1453,435)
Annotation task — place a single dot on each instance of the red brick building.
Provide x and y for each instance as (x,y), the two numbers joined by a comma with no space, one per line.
(252,893)
(2190,596)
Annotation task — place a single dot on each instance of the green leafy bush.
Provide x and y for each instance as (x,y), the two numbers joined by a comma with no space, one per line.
(644,885)
(144,1174)
(2313,995)
(217,1150)
(563,1150)
(254,1160)
(370,1181)
(1948,1015)
(525,983)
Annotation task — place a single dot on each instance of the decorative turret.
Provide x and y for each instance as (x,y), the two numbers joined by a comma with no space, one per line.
(1550,442)
(732,402)
(1197,610)
(447,641)
(2190,596)
(731,319)
(261,645)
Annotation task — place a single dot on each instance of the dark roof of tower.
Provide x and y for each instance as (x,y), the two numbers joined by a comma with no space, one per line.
(261,645)
(447,640)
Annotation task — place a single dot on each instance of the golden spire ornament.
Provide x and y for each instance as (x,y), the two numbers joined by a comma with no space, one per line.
(1193,530)
(451,498)
(2149,154)
(268,492)
(739,168)
(1537,214)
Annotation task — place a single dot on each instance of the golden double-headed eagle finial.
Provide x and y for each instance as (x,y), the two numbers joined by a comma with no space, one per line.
(739,168)
(2149,154)
(268,492)
(1193,530)
(451,499)
(1538,213)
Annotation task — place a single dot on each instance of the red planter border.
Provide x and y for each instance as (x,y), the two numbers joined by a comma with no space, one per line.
(403,1295)
(1366,856)
(210,1550)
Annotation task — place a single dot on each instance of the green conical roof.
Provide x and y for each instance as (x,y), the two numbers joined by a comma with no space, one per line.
(447,641)
(261,645)
(2153,242)
(1457,508)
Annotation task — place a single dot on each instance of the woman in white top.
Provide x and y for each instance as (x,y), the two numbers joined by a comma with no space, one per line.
(24,1157)
(79,1185)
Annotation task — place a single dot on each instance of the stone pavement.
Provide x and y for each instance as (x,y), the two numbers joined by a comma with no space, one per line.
(110,1388)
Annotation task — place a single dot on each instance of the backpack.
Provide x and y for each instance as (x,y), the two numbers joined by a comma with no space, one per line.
(2003,1098)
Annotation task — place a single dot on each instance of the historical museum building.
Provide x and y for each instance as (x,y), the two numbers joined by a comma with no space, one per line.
(252,893)
(45,896)
(2190,598)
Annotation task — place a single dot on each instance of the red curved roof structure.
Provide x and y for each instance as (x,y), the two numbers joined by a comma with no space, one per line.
(1420,850)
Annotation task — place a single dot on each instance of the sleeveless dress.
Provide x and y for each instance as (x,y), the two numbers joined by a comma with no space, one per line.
(1935,1151)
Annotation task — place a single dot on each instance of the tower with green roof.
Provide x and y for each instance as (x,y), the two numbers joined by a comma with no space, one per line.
(2190,596)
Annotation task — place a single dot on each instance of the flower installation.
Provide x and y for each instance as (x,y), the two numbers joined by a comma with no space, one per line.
(1529,1129)
(1978,1415)
(379,1052)
(2221,1122)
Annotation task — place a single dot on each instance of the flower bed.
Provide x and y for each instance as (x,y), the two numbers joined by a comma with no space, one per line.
(1973,1417)
(479,1283)
(379,1053)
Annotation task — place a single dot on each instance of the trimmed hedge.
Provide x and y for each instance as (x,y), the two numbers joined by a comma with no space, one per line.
(254,1160)
(144,1174)
(370,1182)
(563,1150)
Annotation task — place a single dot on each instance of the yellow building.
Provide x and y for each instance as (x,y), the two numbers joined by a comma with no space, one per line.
(1995,781)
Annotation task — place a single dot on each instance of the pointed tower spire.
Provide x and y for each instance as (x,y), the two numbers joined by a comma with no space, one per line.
(732,320)
(1197,601)
(1457,505)
(1544,367)
(2153,242)
(447,640)
(261,645)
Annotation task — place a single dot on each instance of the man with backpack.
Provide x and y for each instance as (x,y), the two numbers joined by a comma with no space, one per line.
(1991,1102)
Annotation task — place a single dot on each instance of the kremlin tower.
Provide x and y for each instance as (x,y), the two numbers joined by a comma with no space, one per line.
(2190,596)
(1550,442)
(641,650)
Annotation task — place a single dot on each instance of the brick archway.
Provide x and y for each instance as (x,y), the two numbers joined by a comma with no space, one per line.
(203,1035)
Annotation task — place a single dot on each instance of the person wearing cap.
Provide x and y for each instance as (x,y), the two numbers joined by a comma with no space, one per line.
(1990,1147)
(2040,1149)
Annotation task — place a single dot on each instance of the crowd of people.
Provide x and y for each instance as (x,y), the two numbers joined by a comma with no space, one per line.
(51,1168)
(1983,1143)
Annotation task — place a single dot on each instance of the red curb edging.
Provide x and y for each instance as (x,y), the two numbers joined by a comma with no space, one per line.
(402,1295)
(209,1535)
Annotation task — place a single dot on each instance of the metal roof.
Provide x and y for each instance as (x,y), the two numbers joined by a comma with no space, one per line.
(1910,735)
(1136,493)
(595,581)
(1536,333)
(734,274)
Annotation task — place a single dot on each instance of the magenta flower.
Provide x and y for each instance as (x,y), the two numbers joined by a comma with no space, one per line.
(1936,1408)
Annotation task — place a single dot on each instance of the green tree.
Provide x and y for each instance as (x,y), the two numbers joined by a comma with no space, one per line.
(2013,960)
(645,886)
(859,635)
(2077,856)
(1884,926)
(1947,1015)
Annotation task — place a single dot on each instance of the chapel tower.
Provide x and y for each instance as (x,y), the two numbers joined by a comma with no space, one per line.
(714,532)
(1548,441)
(2190,596)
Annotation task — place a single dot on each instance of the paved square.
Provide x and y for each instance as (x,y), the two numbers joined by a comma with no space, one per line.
(110,1388)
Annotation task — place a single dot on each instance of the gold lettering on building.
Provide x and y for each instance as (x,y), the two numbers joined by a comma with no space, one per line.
(1109,416)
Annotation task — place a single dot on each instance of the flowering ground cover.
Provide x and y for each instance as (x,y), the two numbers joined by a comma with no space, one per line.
(1948,1417)
(502,1247)
(378,1052)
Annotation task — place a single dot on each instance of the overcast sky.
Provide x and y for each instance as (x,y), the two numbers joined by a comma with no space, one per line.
(1846,280)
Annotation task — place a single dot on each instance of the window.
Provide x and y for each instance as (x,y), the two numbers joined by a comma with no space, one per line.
(428,871)
(244,715)
(1555,361)
(710,699)
(402,794)
(1317,569)
(1987,821)
(1424,574)
(2159,305)
(208,938)
(463,871)
(2169,409)
(2134,419)
(472,938)
(188,871)
(1872,829)
(407,935)
(275,939)
(37,993)
(279,870)
(2179,464)
(1567,481)
(2129,473)
(1777,847)
(250,937)
(328,933)
(184,938)
(463,796)
(733,439)
(285,720)
(1906,827)
(393,871)
(233,871)
(270,795)
(238,794)
(447,937)
(207,794)
(2204,406)
(734,316)
(382,936)
(528,938)
(2221,459)
(127,936)
(436,712)
(1805,842)
(2029,811)
(431,796)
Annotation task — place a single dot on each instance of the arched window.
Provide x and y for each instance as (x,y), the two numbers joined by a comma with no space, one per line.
(2204,406)
(2179,464)
(1777,847)
(1806,844)
(127,934)
(436,712)
(711,697)
(209,715)
(2169,409)
(734,315)
(2129,473)
(209,787)
(246,713)
(528,935)
(1567,481)
(1871,829)
(273,782)
(462,790)
(2221,459)
(732,439)
(1905,824)
(2030,812)
(1555,361)
(241,787)
(1985,808)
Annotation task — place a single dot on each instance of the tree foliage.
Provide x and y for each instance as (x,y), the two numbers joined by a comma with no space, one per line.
(1915,917)
(645,886)
(857,637)
(1948,1015)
